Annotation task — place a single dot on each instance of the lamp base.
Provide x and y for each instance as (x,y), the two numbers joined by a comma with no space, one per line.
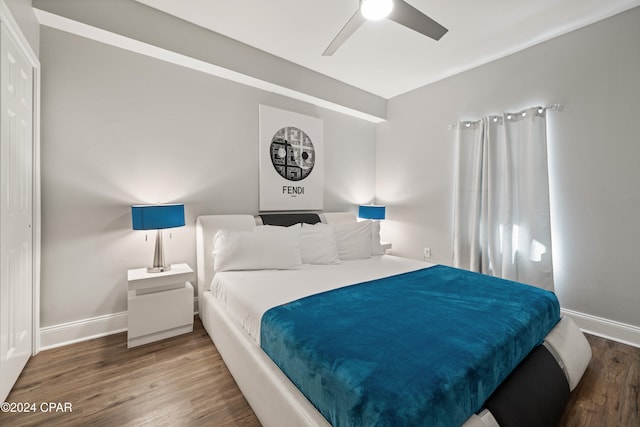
(159,265)
(158,269)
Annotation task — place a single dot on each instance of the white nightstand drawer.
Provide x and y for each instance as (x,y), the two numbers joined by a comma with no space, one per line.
(159,315)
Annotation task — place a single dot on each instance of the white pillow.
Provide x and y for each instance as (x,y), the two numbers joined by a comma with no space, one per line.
(376,247)
(318,244)
(264,248)
(354,240)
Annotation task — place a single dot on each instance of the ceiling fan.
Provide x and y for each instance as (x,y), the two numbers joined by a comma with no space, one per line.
(397,10)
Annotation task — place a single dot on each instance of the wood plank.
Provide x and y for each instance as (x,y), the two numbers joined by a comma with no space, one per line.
(183,381)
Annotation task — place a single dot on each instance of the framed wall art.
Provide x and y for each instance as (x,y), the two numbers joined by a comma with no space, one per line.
(291,169)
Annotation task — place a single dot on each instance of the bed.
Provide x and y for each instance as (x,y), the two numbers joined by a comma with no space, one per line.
(238,307)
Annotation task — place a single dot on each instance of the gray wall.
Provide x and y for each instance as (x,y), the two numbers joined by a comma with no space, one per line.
(118,129)
(594,149)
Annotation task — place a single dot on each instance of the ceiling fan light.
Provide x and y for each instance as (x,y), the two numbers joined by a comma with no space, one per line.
(375,10)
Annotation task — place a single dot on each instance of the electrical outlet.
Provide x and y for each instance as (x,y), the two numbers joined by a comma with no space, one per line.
(427,253)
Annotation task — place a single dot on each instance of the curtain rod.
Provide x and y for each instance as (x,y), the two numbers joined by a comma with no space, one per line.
(553,107)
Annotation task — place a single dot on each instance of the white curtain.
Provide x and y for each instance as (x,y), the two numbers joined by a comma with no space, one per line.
(501,213)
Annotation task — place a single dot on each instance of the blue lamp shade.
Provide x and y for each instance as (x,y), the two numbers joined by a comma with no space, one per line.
(157,217)
(371,211)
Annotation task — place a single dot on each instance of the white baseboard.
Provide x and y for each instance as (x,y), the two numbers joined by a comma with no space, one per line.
(605,328)
(82,330)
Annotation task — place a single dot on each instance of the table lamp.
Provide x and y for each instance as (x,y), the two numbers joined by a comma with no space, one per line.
(157,217)
(371,211)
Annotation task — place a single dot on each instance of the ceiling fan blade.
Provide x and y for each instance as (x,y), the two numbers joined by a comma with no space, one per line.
(353,24)
(405,14)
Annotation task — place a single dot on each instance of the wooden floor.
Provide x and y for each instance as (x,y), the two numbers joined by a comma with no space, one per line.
(609,393)
(183,381)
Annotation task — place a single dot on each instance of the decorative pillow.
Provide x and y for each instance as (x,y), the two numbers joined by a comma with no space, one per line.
(354,240)
(376,247)
(264,248)
(318,244)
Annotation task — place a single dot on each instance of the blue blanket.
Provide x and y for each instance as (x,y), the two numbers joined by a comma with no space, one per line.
(421,348)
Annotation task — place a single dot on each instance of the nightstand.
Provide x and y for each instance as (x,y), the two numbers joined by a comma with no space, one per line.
(160,304)
(386,247)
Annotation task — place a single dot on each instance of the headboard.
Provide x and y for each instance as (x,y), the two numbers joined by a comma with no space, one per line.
(208,225)
(287,219)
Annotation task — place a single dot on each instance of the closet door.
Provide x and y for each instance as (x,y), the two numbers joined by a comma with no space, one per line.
(16,212)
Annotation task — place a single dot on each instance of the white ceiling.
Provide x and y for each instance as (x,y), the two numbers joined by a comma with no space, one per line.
(385,58)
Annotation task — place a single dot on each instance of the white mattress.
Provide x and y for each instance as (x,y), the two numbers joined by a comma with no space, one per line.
(247,295)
